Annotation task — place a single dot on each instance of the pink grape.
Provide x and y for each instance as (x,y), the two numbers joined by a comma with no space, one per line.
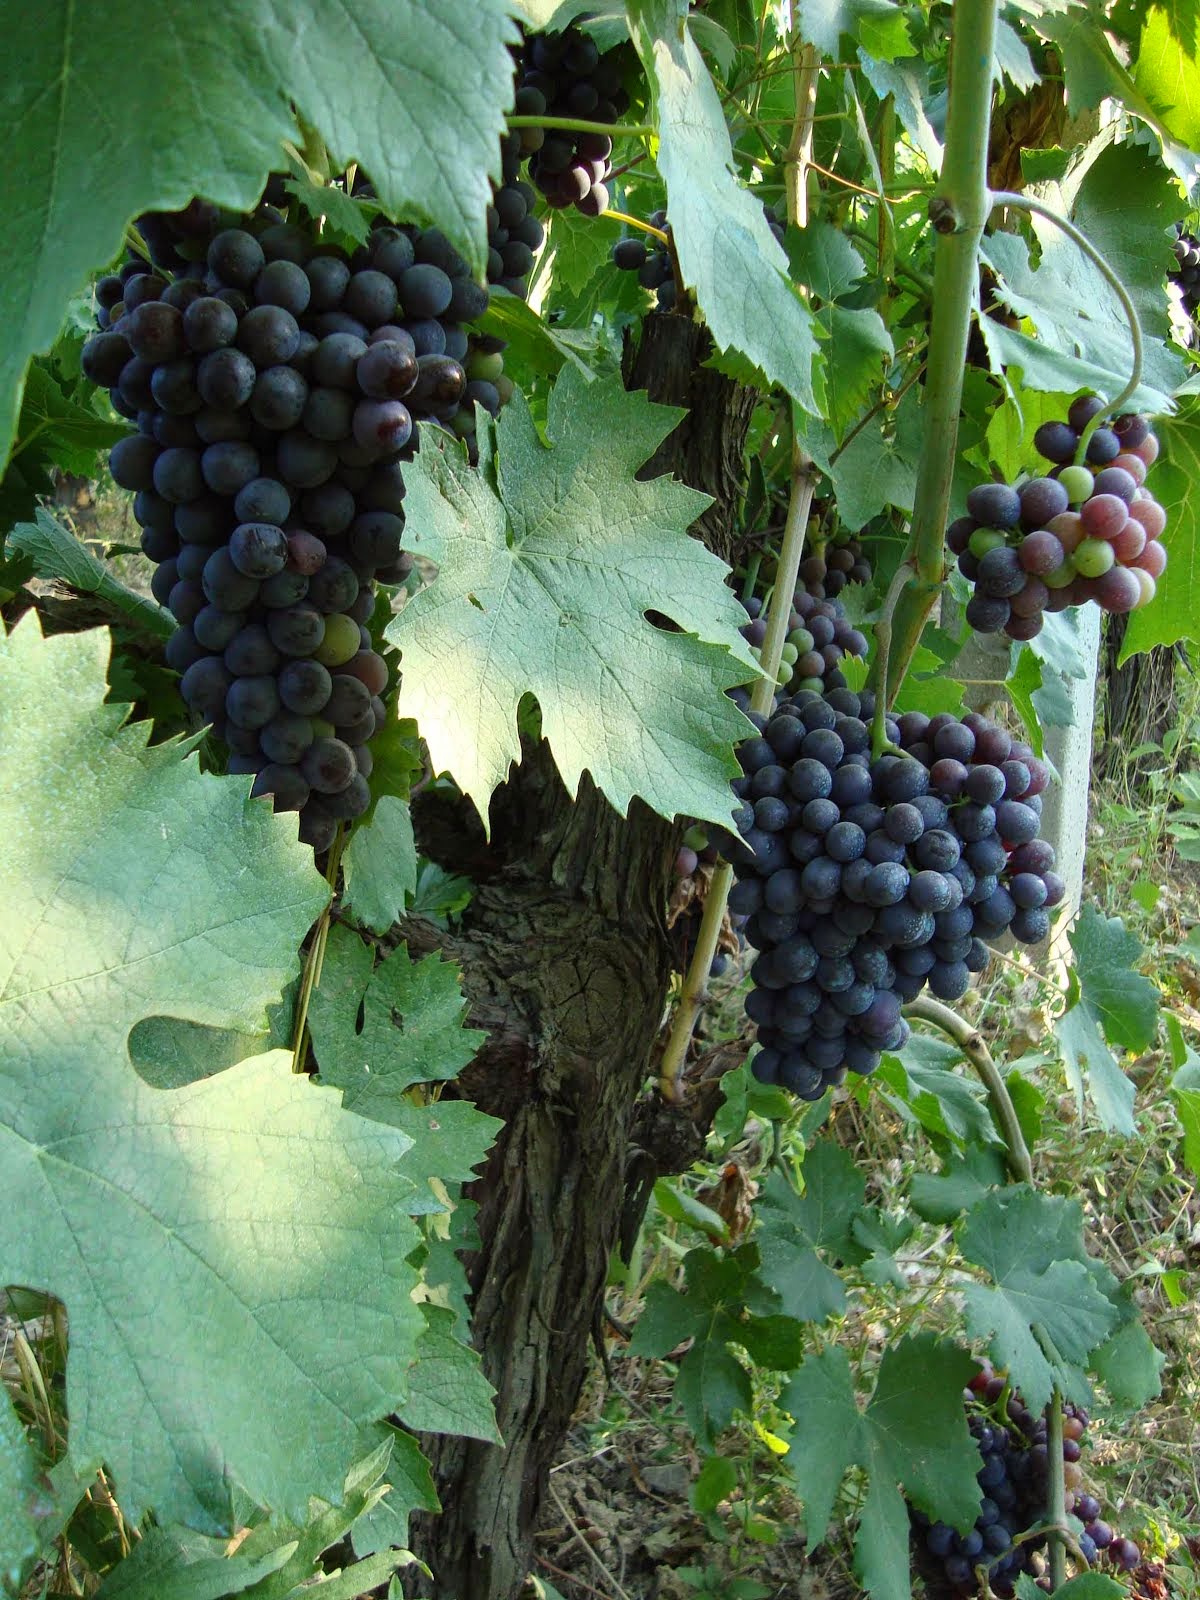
(1130,542)
(1040,552)
(1151,516)
(1103,516)
(1153,559)
(1133,465)
(1148,584)
(1119,590)
(1147,449)
(1093,557)
(1067,529)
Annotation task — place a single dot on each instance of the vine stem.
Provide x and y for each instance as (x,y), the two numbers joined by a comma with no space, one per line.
(799,150)
(883,644)
(1025,202)
(779,609)
(636,222)
(974,1047)
(615,130)
(695,983)
(315,958)
(958,211)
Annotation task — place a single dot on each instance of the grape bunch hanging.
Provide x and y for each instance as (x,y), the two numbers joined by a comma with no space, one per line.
(565,75)
(1089,531)
(866,880)
(651,256)
(275,383)
(1187,272)
(1014,1477)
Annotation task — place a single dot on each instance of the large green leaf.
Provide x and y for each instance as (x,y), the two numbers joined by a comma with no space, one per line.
(794,1228)
(727,254)
(104,122)
(856,341)
(878,25)
(1043,1311)
(19,1497)
(1110,1002)
(380,865)
(912,1436)
(547,586)
(231,1253)
(1167,71)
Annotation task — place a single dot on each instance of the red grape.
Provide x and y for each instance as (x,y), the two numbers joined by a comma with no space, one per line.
(1130,542)
(1118,590)
(1147,449)
(1103,516)
(1151,516)
(1040,552)
(1153,559)
(1067,528)
(1148,587)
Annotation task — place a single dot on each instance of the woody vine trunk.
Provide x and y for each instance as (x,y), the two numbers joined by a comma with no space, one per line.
(566,965)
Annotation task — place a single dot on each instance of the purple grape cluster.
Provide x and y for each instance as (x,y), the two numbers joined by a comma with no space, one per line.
(1187,272)
(565,75)
(865,880)
(819,636)
(1014,1476)
(1085,532)
(650,257)
(842,561)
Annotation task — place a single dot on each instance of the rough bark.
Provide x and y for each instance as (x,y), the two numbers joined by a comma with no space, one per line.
(566,965)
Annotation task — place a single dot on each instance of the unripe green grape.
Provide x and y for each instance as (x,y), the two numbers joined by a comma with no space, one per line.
(342,641)
(802,639)
(790,654)
(696,838)
(818,684)
(1093,557)
(485,365)
(321,728)
(983,540)
(1061,576)
(1077,481)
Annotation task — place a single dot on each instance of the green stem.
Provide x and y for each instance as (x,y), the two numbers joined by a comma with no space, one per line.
(316,954)
(1025,202)
(615,130)
(974,1047)
(799,151)
(958,211)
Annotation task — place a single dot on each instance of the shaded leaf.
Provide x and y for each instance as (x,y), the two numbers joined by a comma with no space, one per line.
(57,553)
(380,865)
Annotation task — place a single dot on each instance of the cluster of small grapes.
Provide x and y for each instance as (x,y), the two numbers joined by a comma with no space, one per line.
(650,257)
(1014,1475)
(864,880)
(842,561)
(1086,532)
(819,636)
(565,75)
(1187,276)
(514,232)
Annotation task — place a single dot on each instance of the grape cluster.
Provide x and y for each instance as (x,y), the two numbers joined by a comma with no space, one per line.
(1086,532)
(650,257)
(819,636)
(1014,1476)
(1187,273)
(842,561)
(514,232)
(865,880)
(565,75)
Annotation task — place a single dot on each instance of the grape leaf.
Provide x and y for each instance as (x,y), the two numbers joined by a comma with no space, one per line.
(727,254)
(19,1498)
(725,1303)
(1174,613)
(1124,1003)
(1045,1313)
(380,865)
(453,1396)
(94,119)
(912,1437)
(1185,1091)
(1089,1061)
(856,342)
(1166,69)
(70,434)
(924,1088)
(56,553)
(1129,1366)
(346,218)
(793,1228)
(964,1179)
(878,25)
(173,1564)
(546,583)
(231,1254)
(411,1032)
